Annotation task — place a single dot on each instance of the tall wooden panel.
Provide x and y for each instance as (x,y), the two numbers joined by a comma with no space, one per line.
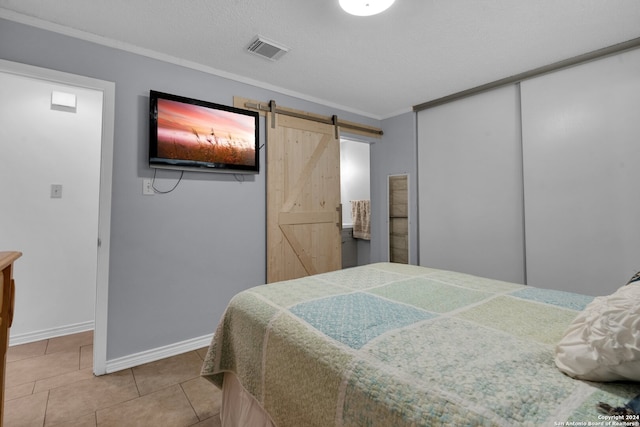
(470,186)
(399,219)
(581,147)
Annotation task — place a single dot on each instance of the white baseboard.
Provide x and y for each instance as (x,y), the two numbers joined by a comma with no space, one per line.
(50,333)
(155,354)
(120,363)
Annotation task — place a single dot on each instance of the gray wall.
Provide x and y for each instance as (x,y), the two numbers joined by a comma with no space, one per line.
(176,259)
(395,154)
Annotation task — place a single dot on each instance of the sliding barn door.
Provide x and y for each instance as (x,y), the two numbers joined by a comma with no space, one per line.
(303,199)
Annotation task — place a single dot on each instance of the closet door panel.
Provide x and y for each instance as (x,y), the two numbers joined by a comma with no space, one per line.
(581,150)
(470,186)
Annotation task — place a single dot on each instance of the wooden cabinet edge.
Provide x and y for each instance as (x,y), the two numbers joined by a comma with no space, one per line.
(7,300)
(8,257)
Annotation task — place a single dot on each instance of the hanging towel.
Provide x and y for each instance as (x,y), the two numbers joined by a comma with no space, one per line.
(361,215)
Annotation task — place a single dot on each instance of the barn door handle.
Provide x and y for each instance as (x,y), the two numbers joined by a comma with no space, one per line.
(339,210)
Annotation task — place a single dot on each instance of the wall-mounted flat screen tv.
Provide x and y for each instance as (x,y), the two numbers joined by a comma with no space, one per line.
(188,134)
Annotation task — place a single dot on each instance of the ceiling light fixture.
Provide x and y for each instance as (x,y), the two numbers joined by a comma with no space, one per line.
(365,7)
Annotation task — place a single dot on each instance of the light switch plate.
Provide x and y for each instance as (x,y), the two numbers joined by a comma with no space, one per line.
(56,191)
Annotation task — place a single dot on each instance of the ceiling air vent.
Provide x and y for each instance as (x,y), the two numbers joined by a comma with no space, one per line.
(266,48)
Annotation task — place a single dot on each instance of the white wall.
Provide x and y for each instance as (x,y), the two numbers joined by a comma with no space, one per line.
(41,146)
(470,187)
(355,183)
(544,169)
(581,133)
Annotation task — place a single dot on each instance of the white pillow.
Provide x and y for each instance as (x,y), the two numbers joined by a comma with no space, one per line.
(603,342)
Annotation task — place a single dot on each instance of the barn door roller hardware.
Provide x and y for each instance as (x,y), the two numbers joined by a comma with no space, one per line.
(272,108)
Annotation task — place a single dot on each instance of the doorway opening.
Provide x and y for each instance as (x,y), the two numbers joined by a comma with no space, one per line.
(355,187)
(57,171)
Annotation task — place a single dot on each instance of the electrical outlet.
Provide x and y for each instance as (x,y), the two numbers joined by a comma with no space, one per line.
(147,187)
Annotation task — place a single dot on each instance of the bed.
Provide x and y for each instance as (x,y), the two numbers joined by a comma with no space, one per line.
(401,345)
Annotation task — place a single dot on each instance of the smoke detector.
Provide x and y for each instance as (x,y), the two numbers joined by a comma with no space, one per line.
(266,48)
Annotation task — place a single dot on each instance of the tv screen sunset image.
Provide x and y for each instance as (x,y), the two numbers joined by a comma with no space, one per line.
(197,133)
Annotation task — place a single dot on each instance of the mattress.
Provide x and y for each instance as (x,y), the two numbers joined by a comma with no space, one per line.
(400,345)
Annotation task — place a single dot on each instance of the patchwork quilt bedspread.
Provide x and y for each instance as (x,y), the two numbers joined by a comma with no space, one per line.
(401,345)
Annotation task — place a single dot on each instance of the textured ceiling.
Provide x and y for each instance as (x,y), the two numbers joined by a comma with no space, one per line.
(379,66)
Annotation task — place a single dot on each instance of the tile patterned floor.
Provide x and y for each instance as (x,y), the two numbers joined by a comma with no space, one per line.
(51,383)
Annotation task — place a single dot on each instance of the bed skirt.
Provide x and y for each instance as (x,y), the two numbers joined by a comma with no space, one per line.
(239,408)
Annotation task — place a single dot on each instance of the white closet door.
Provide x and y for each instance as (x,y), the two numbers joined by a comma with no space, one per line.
(470,186)
(581,147)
